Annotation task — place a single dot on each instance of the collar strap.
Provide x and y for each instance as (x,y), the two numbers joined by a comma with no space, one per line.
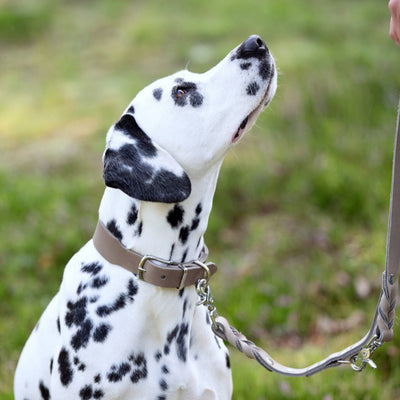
(154,270)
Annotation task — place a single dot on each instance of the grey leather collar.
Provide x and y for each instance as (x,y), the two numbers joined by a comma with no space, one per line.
(154,270)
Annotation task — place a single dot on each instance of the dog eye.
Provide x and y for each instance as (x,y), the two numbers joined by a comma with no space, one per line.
(180,91)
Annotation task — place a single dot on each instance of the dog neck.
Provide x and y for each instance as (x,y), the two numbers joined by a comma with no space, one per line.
(169,231)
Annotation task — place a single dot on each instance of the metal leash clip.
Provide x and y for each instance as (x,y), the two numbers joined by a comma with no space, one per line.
(204,292)
(360,360)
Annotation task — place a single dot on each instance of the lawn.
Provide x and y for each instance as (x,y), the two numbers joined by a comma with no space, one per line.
(299,222)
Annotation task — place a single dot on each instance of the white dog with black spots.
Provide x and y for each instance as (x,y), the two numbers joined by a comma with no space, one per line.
(106,334)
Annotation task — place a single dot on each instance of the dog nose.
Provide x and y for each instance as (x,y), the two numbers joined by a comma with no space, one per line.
(254,46)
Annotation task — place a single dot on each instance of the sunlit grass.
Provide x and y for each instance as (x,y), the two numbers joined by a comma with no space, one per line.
(300,212)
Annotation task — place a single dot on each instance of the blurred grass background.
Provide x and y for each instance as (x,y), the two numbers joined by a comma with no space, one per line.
(300,216)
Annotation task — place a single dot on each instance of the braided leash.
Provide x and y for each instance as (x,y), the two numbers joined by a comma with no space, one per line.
(359,354)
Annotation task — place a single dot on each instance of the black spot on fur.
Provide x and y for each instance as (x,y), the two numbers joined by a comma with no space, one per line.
(82,335)
(132,216)
(166,349)
(92,269)
(132,289)
(140,229)
(157,93)
(94,299)
(145,183)
(97,378)
(86,392)
(252,89)
(164,369)
(99,282)
(184,255)
(82,367)
(51,366)
(58,325)
(195,224)
(131,110)
(265,70)
(80,289)
(245,66)
(181,292)
(184,234)
(128,125)
(172,335)
(196,99)
(117,372)
(163,385)
(185,303)
(228,361)
(175,216)
(199,209)
(119,303)
(140,370)
(76,313)
(101,332)
(172,251)
(113,228)
(64,367)
(166,180)
(158,356)
(98,394)
(181,347)
(44,391)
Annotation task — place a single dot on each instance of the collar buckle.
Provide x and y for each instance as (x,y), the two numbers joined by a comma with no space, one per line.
(141,267)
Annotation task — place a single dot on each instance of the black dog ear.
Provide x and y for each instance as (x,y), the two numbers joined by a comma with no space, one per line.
(142,169)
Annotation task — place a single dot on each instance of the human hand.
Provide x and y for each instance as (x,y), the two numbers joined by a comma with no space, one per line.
(394,7)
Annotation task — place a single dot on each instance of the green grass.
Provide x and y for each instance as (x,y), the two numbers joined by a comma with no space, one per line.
(300,212)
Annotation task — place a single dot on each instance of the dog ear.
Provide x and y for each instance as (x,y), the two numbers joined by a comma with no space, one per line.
(141,168)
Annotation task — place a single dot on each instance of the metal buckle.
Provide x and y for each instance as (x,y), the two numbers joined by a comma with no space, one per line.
(184,275)
(142,269)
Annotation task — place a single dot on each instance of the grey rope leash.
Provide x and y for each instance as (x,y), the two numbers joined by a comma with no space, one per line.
(359,354)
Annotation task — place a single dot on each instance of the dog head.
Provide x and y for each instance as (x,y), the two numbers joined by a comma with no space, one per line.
(182,125)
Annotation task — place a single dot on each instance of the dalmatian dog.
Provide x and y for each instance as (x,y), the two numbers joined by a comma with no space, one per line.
(107,334)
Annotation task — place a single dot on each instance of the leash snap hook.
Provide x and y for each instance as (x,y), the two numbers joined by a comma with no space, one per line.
(204,292)
(360,360)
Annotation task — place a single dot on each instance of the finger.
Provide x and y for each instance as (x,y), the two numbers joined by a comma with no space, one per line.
(394,32)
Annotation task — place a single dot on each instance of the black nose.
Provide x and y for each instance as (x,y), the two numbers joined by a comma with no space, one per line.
(254,46)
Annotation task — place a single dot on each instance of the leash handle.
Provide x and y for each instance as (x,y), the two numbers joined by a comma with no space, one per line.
(359,354)
(387,304)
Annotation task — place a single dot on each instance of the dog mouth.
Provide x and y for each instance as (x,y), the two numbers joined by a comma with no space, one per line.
(241,129)
(250,119)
